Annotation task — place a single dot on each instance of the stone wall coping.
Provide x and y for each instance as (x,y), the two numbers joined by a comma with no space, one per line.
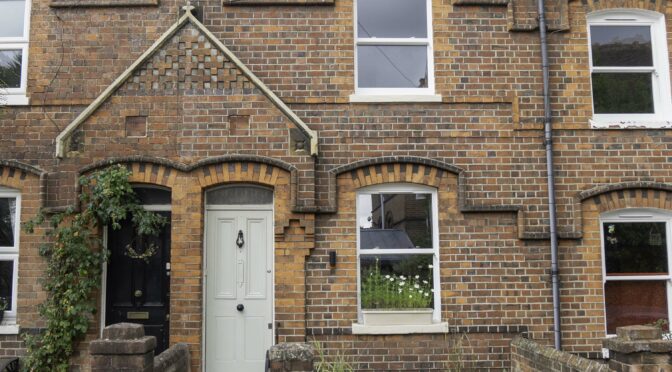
(628,347)
(172,357)
(292,351)
(123,347)
(123,331)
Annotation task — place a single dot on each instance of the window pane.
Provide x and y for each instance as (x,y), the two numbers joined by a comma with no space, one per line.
(10,68)
(392,18)
(239,195)
(392,66)
(7,221)
(6,282)
(622,93)
(621,45)
(636,248)
(395,221)
(152,196)
(11,18)
(634,303)
(396,282)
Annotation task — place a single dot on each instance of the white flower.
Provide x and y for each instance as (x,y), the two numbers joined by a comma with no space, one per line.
(430,266)
(417,277)
(399,290)
(387,277)
(401,283)
(426,294)
(426,282)
(432,289)
(410,296)
(402,277)
(416,286)
(391,279)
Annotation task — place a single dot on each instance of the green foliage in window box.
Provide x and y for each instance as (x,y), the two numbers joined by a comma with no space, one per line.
(75,256)
(392,291)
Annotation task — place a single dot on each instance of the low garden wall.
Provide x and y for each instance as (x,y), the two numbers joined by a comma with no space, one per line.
(125,347)
(635,348)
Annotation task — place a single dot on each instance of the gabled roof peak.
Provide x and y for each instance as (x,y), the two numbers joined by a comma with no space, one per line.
(187,17)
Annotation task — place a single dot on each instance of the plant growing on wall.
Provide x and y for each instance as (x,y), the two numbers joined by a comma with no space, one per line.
(396,291)
(75,256)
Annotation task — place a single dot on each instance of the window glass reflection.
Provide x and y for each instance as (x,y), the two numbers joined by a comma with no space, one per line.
(391,18)
(635,248)
(389,221)
(621,45)
(6,282)
(392,66)
(396,281)
(7,221)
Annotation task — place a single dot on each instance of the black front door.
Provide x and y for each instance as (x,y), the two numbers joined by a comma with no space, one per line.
(138,285)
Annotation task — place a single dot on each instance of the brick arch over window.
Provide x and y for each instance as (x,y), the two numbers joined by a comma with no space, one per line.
(293,234)
(25,178)
(655,5)
(581,260)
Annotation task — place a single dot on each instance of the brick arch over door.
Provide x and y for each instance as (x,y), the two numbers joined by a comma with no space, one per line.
(294,238)
(581,260)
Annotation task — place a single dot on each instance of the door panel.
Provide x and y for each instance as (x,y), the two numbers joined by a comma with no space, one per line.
(137,291)
(224,279)
(257,249)
(238,276)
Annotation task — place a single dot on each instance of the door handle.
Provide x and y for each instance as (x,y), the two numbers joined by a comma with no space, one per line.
(240,307)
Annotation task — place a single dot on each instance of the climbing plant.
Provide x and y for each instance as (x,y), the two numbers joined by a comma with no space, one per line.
(74,256)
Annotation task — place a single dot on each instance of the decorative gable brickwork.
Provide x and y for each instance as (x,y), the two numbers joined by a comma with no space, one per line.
(187,61)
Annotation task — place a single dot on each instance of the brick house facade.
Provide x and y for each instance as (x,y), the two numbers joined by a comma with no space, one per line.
(265,93)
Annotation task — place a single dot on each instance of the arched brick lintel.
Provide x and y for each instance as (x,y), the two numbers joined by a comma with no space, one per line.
(622,195)
(603,189)
(157,170)
(397,159)
(25,178)
(655,5)
(189,167)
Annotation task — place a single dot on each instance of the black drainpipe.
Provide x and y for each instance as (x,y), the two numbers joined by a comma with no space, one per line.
(548,143)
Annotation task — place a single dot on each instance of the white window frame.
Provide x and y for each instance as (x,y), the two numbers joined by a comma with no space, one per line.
(397,94)
(12,254)
(638,215)
(662,116)
(18,96)
(403,188)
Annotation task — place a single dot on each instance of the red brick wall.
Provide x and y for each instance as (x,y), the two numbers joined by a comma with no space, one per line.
(494,220)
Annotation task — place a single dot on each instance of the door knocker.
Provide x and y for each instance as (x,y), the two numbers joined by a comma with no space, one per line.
(240,241)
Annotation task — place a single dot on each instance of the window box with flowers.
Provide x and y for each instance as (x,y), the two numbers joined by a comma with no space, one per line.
(398,260)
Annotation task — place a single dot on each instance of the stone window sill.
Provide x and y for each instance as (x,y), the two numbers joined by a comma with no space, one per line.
(101,3)
(14,100)
(631,124)
(363,329)
(277,2)
(394,98)
(9,329)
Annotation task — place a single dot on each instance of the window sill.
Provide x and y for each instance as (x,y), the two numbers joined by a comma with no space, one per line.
(394,98)
(630,124)
(363,329)
(13,100)
(9,329)
(101,3)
